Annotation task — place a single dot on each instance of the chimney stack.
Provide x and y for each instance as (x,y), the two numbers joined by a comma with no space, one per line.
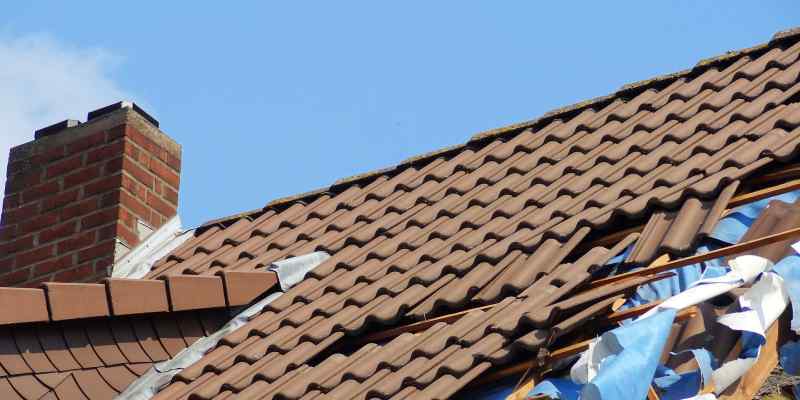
(81,195)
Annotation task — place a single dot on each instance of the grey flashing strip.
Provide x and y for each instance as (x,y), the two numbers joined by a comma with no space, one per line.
(139,261)
(290,272)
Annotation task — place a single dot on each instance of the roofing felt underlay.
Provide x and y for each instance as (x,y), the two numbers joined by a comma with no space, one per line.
(504,219)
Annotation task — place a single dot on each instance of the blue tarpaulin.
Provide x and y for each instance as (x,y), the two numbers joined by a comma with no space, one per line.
(628,358)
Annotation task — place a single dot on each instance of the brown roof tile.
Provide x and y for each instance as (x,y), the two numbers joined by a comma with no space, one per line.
(76,300)
(137,296)
(29,305)
(498,219)
(90,358)
(503,219)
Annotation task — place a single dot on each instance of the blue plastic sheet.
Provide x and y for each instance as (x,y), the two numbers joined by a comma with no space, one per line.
(728,231)
(557,388)
(635,348)
(731,228)
(684,277)
(790,357)
(629,372)
(675,386)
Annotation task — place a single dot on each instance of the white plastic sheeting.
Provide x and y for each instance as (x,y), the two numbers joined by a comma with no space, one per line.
(760,305)
(290,272)
(139,261)
(744,270)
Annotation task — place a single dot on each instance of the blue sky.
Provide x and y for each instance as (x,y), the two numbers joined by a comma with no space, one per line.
(270,99)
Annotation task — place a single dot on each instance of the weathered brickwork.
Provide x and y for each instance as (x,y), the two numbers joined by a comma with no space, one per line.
(71,196)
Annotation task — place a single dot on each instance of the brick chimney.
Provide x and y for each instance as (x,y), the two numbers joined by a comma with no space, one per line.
(81,195)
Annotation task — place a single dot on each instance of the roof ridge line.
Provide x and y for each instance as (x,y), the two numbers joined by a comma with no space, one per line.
(626,90)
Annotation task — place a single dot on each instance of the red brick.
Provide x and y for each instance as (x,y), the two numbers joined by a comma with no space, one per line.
(107,232)
(80,274)
(23,181)
(19,214)
(126,218)
(100,250)
(102,266)
(115,133)
(110,199)
(11,201)
(134,188)
(53,153)
(143,141)
(135,206)
(137,154)
(15,246)
(59,200)
(160,205)
(6,264)
(98,218)
(107,152)
(39,191)
(78,209)
(40,253)
(84,239)
(165,173)
(86,142)
(15,167)
(36,283)
(81,176)
(102,185)
(53,265)
(58,232)
(171,196)
(66,165)
(127,236)
(174,162)
(141,175)
(113,166)
(15,277)
(39,222)
(8,232)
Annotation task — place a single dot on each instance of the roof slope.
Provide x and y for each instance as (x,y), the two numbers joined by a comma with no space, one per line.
(95,360)
(498,219)
(506,219)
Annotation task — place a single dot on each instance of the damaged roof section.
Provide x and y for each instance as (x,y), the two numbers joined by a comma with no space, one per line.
(500,220)
(503,226)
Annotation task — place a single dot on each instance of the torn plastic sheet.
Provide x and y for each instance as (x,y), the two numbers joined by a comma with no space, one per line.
(762,304)
(683,278)
(729,230)
(622,362)
(744,269)
(139,261)
(789,269)
(292,270)
(676,386)
(556,388)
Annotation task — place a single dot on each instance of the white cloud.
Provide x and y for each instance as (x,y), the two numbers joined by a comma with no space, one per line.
(44,81)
